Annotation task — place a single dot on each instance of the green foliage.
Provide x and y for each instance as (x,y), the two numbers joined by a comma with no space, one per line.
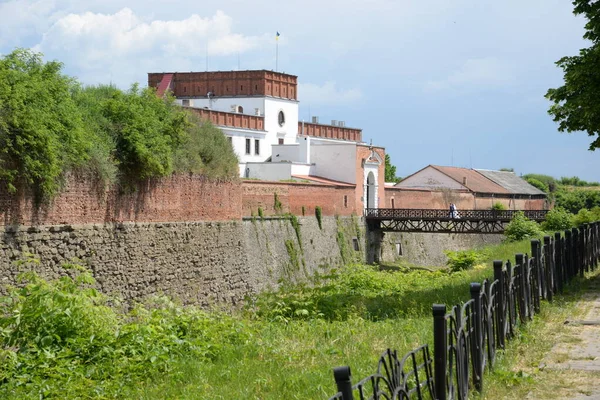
(261,213)
(41,129)
(296,225)
(575,106)
(507,169)
(521,228)
(575,200)
(547,180)
(575,181)
(538,184)
(390,170)
(303,211)
(60,339)
(318,214)
(204,150)
(585,216)
(463,259)
(498,206)
(558,219)
(276,203)
(293,254)
(49,125)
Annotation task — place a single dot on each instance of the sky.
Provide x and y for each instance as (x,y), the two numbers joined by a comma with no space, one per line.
(458,82)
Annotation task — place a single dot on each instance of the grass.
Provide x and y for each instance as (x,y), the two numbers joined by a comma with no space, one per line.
(284,344)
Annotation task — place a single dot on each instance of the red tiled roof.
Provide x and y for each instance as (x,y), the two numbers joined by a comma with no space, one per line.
(475,181)
(165,83)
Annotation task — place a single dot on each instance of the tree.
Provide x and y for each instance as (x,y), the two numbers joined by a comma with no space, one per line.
(41,129)
(575,104)
(390,170)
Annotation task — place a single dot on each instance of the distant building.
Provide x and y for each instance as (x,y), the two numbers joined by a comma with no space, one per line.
(258,112)
(437,186)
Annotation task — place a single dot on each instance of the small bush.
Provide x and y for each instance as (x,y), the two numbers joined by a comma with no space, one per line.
(538,184)
(318,214)
(261,213)
(463,260)
(498,206)
(558,219)
(521,228)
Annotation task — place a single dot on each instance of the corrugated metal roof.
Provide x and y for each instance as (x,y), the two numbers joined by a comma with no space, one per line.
(475,181)
(510,182)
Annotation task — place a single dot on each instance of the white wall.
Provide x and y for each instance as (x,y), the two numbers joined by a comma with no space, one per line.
(303,169)
(238,141)
(335,161)
(430,178)
(285,152)
(269,171)
(289,131)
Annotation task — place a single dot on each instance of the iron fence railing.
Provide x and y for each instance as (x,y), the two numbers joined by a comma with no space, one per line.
(466,338)
(433,214)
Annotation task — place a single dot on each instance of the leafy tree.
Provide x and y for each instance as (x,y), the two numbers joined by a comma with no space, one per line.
(521,227)
(498,206)
(41,128)
(558,219)
(547,180)
(507,169)
(575,104)
(538,184)
(390,170)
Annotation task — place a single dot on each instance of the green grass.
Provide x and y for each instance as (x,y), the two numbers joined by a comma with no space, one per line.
(283,345)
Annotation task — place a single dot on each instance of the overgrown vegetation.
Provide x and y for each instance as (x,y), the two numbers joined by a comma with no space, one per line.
(498,206)
(50,125)
(276,203)
(463,259)
(318,214)
(521,227)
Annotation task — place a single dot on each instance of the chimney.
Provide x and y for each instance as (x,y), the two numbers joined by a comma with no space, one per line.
(342,123)
(257,112)
(333,122)
(464,180)
(315,120)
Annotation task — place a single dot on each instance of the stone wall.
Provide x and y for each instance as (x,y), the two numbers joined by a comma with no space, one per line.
(197,262)
(427,249)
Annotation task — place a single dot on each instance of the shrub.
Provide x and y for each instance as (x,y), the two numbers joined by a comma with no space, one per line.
(584,216)
(463,259)
(558,219)
(521,228)
(318,214)
(498,206)
(538,184)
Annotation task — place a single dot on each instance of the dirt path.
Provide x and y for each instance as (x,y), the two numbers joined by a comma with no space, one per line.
(575,357)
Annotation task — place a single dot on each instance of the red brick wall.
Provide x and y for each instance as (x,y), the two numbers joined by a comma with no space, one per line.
(235,120)
(416,199)
(174,199)
(230,83)
(295,195)
(330,131)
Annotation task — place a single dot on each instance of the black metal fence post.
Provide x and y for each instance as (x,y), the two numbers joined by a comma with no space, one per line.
(521,297)
(568,255)
(559,266)
(549,267)
(575,250)
(500,303)
(343,380)
(440,350)
(477,341)
(538,284)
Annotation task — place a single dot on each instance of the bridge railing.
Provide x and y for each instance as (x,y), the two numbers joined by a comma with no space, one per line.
(439,214)
(467,336)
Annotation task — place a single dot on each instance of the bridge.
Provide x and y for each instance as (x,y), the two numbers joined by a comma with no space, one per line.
(431,220)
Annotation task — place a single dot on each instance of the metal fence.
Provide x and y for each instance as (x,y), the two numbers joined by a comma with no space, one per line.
(466,336)
(441,214)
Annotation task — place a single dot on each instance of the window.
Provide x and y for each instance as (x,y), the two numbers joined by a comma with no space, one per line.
(393,203)
(241,87)
(256,146)
(355,244)
(399,248)
(345,201)
(240,109)
(280,140)
(247,146)
(281,118)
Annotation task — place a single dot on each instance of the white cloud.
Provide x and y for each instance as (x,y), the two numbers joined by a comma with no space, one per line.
(93,43)
(327,94)
(476,73)
(22,18)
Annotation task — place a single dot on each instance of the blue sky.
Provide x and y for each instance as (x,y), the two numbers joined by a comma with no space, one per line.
(443,82)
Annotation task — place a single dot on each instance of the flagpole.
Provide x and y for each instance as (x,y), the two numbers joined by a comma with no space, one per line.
(276,54)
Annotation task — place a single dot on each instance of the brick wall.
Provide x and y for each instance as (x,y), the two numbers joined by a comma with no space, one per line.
(177,198)
(333,199)
(423,198)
